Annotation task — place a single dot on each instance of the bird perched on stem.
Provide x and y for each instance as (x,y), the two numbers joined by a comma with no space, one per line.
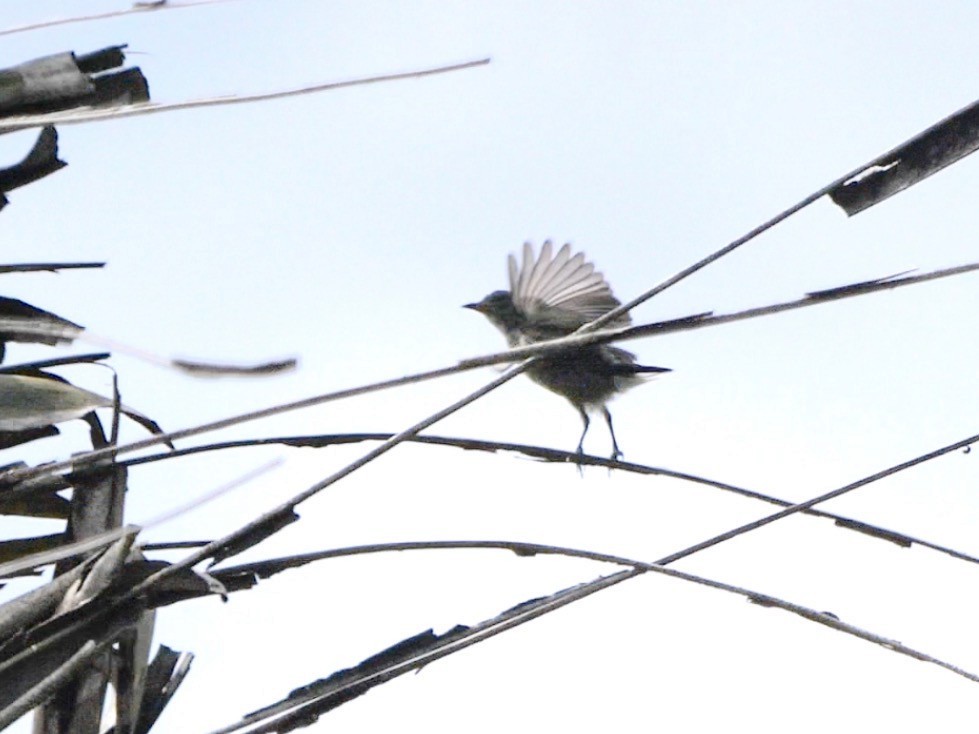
(553,296)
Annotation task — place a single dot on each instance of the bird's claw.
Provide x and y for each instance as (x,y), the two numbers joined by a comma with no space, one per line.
(578,456)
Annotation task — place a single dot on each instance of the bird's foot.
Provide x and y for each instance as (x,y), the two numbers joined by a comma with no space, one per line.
(616,455)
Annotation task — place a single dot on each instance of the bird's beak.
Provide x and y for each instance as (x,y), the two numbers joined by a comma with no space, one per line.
(474,306)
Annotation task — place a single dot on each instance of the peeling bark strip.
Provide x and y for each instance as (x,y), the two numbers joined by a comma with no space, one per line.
(928,152)
(58,82)
(41,161)
(65,80)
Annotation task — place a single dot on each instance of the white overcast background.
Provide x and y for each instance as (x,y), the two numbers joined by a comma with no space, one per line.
(348,227)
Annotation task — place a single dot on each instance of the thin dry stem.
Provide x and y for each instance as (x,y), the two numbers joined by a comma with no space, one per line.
(76,117)
(801,506)
(138,7)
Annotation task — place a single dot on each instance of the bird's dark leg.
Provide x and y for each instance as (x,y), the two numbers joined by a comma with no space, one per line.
(587,421)
(581,443)
(616,454)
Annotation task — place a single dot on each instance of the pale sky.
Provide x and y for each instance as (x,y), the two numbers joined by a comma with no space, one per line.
(347,228)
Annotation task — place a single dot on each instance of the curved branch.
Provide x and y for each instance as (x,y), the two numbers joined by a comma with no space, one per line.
(537,607)
(551,455)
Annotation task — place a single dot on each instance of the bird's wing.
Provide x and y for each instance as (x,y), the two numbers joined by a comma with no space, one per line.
(560,291)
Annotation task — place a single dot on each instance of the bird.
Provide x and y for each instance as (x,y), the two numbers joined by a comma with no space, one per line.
(553,295)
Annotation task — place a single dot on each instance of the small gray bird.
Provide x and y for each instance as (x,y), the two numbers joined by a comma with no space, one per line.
(553,297)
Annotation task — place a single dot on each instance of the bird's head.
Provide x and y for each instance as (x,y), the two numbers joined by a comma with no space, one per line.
(499,309)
